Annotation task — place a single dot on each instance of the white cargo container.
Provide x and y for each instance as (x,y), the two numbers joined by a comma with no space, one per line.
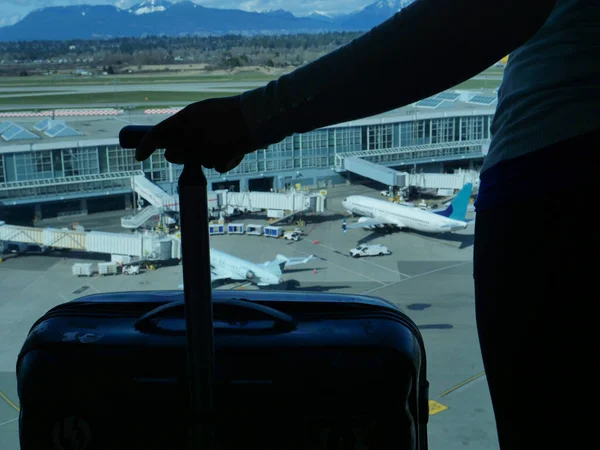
(273,232)
(255,230)
(82,269)
(107,268)
(216,228)
(235,228)
(175,248)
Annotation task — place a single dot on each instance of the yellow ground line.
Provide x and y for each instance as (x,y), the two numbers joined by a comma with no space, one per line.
(452,389)
(10,403)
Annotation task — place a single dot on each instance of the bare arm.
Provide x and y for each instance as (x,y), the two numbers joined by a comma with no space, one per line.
(427,47)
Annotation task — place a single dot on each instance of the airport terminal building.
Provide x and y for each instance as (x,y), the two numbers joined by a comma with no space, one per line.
(75,165)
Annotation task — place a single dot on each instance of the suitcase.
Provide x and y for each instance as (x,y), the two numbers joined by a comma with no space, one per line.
(228,369)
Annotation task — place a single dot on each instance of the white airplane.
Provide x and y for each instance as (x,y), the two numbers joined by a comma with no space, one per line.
(381,214)
(225,266)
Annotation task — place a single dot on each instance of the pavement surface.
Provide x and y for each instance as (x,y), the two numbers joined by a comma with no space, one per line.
(428,276)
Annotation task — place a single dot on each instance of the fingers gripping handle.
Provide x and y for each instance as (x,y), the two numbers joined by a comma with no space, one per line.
(131,135)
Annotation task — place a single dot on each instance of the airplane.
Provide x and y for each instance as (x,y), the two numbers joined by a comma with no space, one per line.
(225,266)
(382,214)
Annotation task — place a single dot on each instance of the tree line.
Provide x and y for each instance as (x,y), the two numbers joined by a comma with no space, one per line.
(217,51)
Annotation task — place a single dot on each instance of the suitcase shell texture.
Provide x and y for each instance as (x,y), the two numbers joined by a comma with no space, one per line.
(346,372)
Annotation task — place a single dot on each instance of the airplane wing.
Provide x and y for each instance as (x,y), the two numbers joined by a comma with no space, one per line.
(221,274)
(296,260)
(376,221)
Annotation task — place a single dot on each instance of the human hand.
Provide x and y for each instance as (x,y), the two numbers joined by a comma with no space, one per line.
(212,132)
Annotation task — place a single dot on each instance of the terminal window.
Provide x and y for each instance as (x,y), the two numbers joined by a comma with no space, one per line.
(442,130)
(380,136)
(121,160)
(347,139)
(472,128)
(412,133)
(33,165)
(82,161)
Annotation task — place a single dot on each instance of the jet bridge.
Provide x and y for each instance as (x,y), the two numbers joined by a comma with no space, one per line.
(377,172)
(440,181)
(154,194)
(144,246)
(160,201)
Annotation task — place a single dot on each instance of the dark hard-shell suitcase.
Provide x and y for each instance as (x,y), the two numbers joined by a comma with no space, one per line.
(227,370)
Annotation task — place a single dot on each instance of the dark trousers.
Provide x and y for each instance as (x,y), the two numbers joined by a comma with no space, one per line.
(537,279)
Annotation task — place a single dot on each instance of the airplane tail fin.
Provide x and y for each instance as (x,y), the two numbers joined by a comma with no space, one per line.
(457,209)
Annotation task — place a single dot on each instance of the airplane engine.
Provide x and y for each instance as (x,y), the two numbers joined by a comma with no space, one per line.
(250,275)
(369,227)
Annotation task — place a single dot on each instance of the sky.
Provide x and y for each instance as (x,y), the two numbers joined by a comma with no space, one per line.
(14,10)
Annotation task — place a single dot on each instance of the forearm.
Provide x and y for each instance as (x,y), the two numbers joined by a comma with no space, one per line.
(427,47)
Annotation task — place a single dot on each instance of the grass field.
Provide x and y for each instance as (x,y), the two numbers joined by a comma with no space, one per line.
(113,98)
(137,99)
(158,77)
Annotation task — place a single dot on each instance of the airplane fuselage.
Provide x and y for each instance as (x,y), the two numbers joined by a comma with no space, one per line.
(242,268)
(402,216)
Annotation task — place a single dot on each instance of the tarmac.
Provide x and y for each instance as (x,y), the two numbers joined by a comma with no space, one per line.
(428,276)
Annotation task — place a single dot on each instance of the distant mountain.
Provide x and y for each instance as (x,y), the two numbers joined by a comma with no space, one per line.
(149,6)
(373,14)
(160,17)
(321,17)
(279,13)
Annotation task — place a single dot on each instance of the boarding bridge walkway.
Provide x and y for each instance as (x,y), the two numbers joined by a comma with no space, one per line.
(443,181)
(137,220)
(61,188)
(373,164)
(154,194)
(293,202)
(144,246)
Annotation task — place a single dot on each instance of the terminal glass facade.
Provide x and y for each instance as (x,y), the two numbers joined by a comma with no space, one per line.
(390,143)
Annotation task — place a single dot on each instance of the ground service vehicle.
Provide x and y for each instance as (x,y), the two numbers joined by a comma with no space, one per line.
(291,235)
(369,250)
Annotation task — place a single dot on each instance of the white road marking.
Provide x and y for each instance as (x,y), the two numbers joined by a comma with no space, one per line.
(9,421)
(344,268)
(368,262)
(417,276)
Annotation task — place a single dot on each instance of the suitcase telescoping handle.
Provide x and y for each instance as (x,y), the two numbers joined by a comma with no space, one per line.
(193,206)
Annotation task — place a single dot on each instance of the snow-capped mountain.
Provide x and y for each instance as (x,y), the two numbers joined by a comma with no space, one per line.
(149,6)
(373,14)
(161,17)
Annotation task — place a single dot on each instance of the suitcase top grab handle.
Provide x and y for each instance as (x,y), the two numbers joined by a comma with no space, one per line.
(281,320)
